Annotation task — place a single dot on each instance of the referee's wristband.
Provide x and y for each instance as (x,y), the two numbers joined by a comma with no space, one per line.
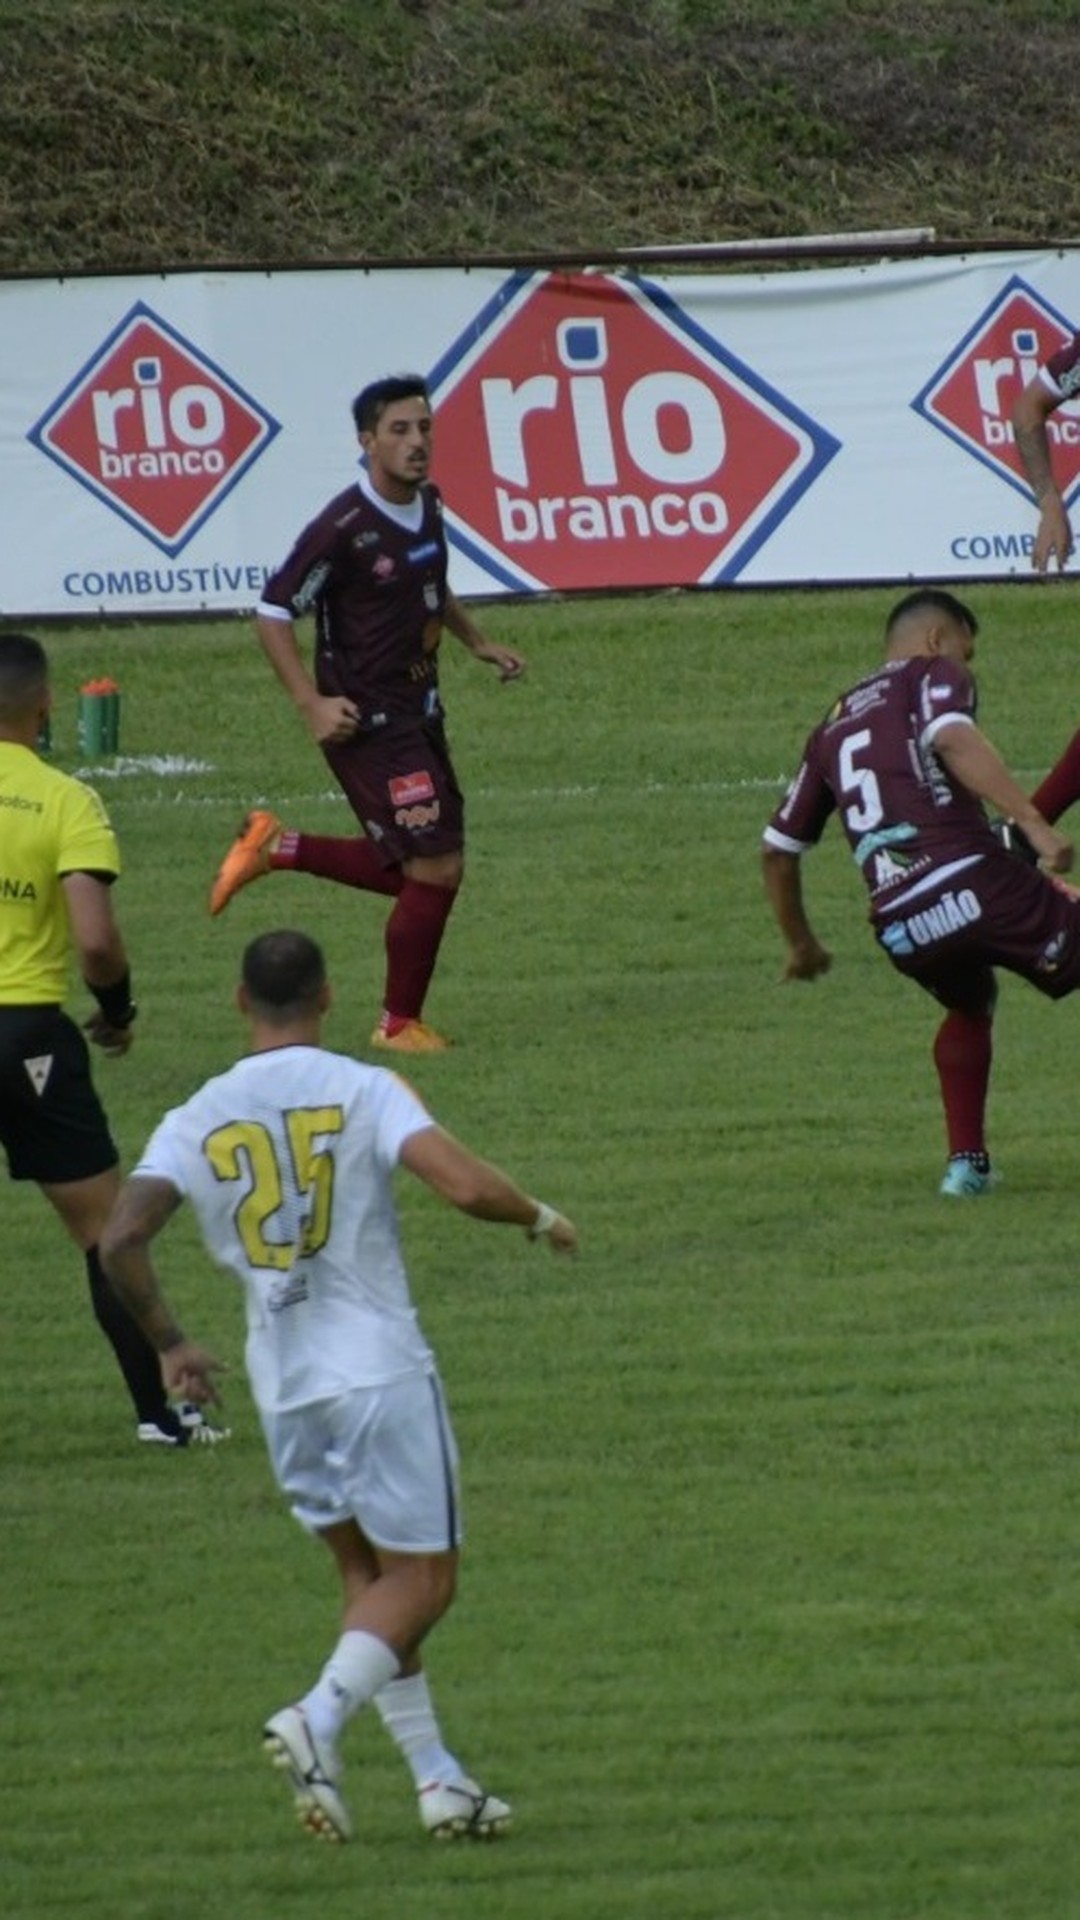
(545,1219)
(115,1001)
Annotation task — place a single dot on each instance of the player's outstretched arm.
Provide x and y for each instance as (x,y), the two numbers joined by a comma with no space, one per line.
(782,872)
(478,1188)
(969,757)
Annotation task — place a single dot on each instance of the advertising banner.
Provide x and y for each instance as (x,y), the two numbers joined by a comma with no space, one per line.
(163,441)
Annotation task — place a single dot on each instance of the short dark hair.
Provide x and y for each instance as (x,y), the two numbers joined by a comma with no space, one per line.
(24,674)
(931,600)
(284,972)
(372,401)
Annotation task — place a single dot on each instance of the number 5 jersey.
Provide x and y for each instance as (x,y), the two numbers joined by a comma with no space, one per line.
(912,830)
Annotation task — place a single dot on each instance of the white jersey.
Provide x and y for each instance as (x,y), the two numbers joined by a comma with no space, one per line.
(288,1161)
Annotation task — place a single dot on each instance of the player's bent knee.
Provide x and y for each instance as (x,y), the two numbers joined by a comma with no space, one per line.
(441,870)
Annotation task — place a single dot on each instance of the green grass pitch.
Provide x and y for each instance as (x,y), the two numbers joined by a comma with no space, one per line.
(769,1606)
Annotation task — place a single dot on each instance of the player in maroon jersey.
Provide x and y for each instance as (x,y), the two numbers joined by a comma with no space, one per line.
(1054,383)
(901,760)
(371,567)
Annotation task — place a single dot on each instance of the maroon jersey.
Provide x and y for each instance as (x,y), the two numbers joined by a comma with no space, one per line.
(911,828)
(378,592)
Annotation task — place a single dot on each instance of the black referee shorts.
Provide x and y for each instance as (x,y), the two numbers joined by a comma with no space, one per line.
(52,1124)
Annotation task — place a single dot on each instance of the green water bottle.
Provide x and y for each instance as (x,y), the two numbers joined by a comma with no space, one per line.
(98,719)
(110,693)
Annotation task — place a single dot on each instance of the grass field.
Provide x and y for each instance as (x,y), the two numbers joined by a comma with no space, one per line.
(769,1609)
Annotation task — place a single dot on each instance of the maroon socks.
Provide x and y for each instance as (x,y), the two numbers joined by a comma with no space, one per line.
(963,1051)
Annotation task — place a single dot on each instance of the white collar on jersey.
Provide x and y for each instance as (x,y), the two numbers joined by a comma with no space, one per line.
(409,516)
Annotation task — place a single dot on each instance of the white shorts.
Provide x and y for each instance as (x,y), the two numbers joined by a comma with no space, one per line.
(382,1456)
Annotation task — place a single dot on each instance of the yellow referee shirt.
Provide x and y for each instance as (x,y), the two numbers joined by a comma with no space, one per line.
(50,825)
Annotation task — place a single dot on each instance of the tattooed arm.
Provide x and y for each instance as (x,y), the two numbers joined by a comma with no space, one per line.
(142,1209)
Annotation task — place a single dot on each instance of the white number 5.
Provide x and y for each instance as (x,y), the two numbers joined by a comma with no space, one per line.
(866,809)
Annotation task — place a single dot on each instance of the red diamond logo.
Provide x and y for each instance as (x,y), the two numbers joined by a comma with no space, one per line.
(618,443)
(154,429)
(971,395)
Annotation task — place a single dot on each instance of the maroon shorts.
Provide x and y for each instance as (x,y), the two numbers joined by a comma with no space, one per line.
(402,788)
(1000,913)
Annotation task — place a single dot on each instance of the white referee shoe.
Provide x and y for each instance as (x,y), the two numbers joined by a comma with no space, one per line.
(454,1809)
(314,1769)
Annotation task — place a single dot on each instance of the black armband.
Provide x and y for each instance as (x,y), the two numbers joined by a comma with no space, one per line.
(116,1002)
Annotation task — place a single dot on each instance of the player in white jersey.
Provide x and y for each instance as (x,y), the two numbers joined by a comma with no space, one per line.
(288,1160)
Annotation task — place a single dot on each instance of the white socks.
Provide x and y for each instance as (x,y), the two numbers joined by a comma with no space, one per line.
(358,1667)
(405,1709)
(363,1668)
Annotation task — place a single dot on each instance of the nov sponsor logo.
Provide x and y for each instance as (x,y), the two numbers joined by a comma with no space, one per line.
(419,816)
(619,443)
(154,429)
(971,396)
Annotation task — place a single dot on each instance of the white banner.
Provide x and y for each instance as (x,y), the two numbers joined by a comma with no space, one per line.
(162,441)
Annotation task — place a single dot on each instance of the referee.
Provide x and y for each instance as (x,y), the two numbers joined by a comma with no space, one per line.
(58,860)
